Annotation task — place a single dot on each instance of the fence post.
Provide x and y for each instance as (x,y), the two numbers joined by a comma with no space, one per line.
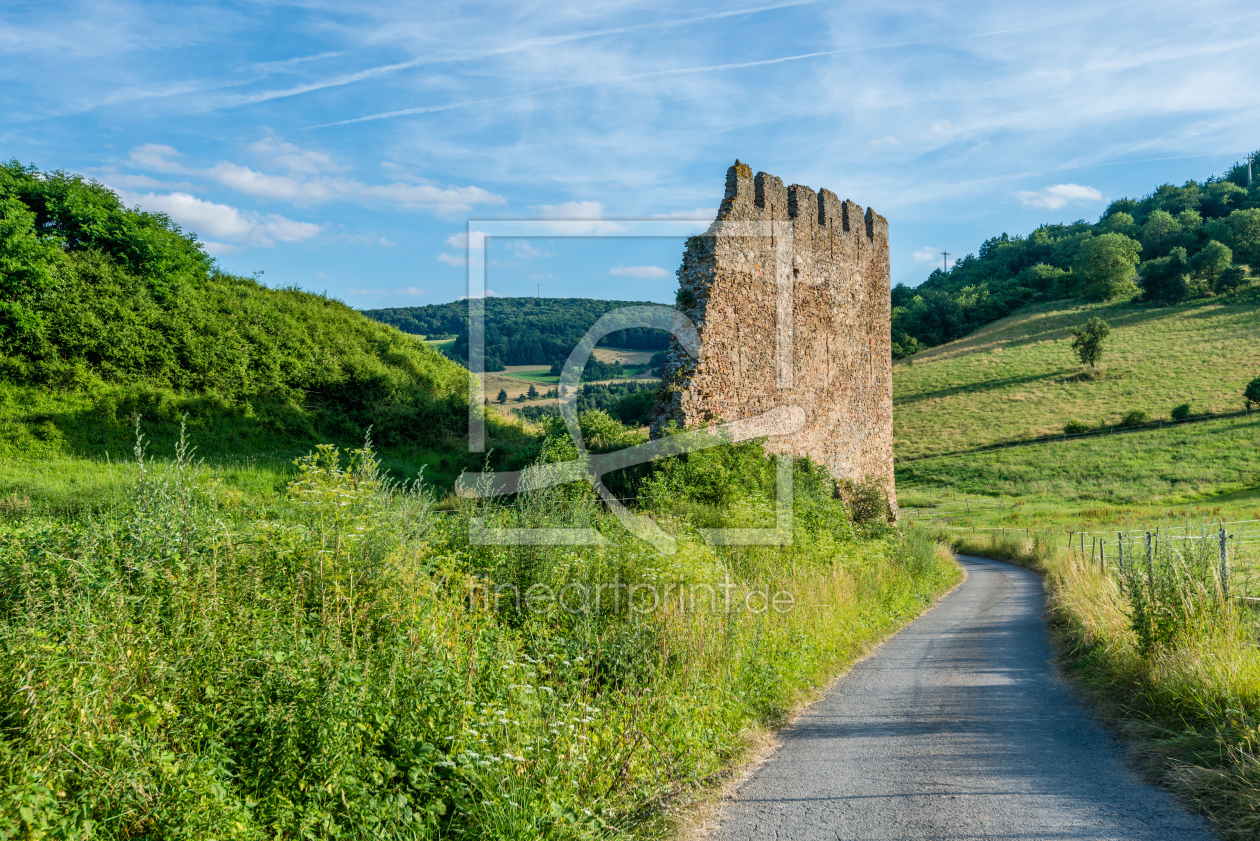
(1150,569)
(1120,551)
(1224,566)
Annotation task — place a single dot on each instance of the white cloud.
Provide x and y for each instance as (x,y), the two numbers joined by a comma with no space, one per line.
(638,271)
(294,158)
(452,259)
(576,217)
(490,293)
(461,239)
(224,222)
(307,191)
(281,187)
(926,254)
(411,290)
(308,181)
(366,240)
(1057,196)
(156,156)
(521,248)
(700,214)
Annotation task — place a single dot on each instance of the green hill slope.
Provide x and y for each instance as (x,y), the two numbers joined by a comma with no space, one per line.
(1018,378)
(107,313)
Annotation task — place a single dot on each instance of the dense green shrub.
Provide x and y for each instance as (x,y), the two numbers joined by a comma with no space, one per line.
(1076,427)
(1181,412)
(99,297)
(342,661)
(1137,417)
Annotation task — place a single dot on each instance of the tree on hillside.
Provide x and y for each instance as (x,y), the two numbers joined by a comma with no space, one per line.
(1087,341)
(1161,232)
(1106,264)
(502,398)
(1209,263)
(1230,280)
(1252,394)
(1120,223)
(1165,280)
(1240,231)
(533,392)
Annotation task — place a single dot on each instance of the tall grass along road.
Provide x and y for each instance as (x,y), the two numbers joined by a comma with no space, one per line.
(955,728)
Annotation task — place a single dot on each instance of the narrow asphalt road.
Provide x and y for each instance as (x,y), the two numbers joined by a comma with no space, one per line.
(955,728)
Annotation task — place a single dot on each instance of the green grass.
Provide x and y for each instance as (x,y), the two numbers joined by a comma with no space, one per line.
(224,650)
(442,345)
(541,376)
(1017,378)
(1203,470)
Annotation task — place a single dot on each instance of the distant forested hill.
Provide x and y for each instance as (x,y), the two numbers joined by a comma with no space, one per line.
(1192,241)
(521,331)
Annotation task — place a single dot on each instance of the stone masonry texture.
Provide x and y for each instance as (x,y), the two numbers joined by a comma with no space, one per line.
(787,273)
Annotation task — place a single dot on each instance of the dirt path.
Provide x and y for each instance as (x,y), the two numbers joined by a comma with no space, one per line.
(956,728)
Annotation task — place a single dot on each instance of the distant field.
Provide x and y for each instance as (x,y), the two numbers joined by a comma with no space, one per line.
(1017,378)
(440,344)
(624,356)
(531,373)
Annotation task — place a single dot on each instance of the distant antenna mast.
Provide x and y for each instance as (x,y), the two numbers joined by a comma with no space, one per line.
(945,261)
(538,293)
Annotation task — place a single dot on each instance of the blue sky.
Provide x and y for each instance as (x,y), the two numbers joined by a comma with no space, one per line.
(345,147)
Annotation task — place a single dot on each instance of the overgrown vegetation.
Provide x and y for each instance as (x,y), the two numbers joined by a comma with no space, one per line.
(108,312)
(337,659)
(1177,243)
(1169,656)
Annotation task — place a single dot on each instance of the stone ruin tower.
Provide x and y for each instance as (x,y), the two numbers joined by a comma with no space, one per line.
(785,273)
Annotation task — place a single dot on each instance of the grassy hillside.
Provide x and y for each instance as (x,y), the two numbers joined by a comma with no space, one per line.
(109,313)
(1018,378)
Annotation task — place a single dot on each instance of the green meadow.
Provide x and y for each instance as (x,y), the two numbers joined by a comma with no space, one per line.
(1017,378)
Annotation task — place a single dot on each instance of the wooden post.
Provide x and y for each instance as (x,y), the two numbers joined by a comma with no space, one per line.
(1224,566)
(1120,551)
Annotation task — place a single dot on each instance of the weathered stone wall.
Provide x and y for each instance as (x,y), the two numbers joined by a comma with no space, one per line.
(785,270)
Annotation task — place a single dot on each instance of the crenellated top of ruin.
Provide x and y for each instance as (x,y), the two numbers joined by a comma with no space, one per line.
(762,197)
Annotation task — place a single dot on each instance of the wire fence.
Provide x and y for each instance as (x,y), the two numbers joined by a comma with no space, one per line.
(1234,546)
